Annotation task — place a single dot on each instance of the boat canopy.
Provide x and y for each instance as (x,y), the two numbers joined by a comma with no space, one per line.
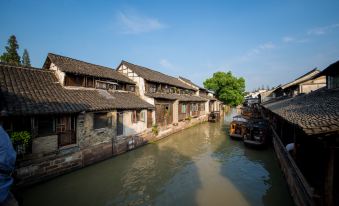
(239,118)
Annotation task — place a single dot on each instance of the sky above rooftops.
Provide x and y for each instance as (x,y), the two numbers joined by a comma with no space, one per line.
(267,42)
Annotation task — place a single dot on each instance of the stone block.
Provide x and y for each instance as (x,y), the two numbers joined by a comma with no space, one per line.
(45,144)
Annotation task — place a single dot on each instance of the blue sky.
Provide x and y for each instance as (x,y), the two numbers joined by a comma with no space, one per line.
(266,42)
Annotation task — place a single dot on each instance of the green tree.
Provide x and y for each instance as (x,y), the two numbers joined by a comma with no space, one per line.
(25,59)
(227,87)
(11,55)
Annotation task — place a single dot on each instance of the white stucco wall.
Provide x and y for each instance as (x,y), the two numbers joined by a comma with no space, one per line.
(207,108)
(176,111)
(133,128)
(140,83)
(59,74)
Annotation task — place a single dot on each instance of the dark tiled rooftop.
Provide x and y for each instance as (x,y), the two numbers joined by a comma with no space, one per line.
(155,76)
(30,91)
(180,97)
(191,83)
(67,64)
(315,113)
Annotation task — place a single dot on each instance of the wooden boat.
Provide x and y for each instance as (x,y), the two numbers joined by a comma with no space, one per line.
(214,116)
(246,111)
(250,112)
(257,133)
(238,127)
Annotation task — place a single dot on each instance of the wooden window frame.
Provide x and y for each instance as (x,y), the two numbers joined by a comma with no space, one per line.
(183,108)
(107,124)
(38,123)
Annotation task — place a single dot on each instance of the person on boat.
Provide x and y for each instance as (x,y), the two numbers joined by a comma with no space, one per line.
(7,165)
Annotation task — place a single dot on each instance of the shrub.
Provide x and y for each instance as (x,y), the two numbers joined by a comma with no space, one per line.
(22,137)
(155,130)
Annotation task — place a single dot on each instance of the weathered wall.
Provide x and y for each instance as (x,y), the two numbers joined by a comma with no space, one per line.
(87,136)
(70,159)
(45,144)
(207,108)
(47,168)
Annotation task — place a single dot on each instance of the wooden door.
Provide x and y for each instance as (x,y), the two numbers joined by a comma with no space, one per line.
(120,123)
(149,118)
(163,114)
(159,114)
(65,128)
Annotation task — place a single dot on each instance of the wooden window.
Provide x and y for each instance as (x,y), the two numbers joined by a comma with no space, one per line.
(106,85)
(134,116)
(194,107)
(183,108)
(101,85)
(74,80)
(45,125)
(202,106)
(101,120)
(132,88)
(89,81)
(112,87)
(166,89)
(152,88)
(137,115)
(142,116)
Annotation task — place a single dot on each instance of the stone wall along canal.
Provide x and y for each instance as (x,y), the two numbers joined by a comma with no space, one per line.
(198,166)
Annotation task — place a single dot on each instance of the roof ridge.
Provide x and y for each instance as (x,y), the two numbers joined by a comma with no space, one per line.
(142,67)
(313,70)
(300,78)
(23,67)
(73,59)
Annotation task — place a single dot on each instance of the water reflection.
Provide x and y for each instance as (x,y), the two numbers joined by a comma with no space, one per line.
(198,166)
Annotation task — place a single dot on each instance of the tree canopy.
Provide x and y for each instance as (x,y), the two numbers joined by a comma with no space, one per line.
(25,59)
(227,87)
(11,55)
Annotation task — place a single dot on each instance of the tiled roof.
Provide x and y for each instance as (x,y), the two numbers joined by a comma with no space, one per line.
(209,97)
(330,69)
(309,75)
(34,91)
(315,113)
(180,97)
(74,66)
(155,76)
(30,91)
(191,83)
(97,100)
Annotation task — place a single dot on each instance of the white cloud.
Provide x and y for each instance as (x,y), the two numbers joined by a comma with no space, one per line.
(165,63)
(288,39)
(268,45)
(322,30)
(257,50)
(133,23)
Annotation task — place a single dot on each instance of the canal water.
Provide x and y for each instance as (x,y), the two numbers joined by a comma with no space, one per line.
(198,166)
